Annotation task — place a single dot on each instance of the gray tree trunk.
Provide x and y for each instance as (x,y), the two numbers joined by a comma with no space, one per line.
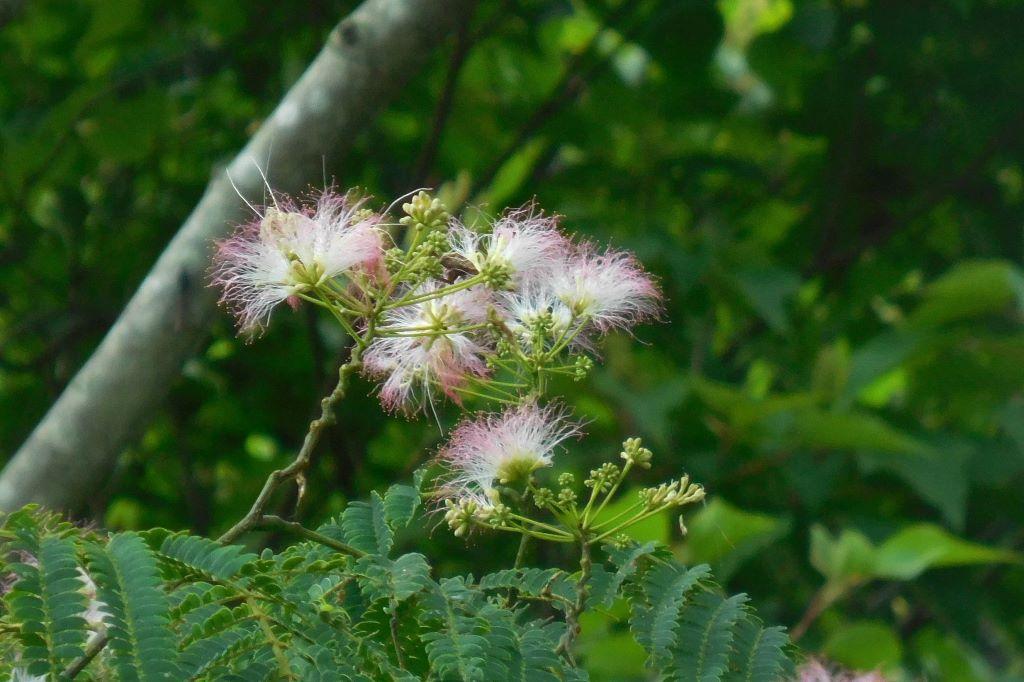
(367,59)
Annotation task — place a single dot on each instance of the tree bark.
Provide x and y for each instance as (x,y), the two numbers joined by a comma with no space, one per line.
(366,60)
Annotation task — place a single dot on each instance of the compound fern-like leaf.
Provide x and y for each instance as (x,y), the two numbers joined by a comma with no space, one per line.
(400,505)
(705,638)
(758,652)
(365,527)
(655,621)
(47,600)
(141,644)
(201,555)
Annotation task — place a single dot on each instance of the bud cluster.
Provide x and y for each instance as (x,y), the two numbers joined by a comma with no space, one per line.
(424,213)
(476,494)
(635,454)
(674,494)
(603,478)
(461,514)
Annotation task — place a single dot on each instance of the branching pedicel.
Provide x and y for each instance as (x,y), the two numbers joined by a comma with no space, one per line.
(490,312)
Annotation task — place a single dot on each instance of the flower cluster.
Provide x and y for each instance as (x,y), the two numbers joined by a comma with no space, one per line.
(815,671)
(447,312)
(490,311)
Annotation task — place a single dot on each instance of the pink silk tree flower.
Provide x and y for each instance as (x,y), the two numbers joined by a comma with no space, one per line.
(522,246)
(814,671)
(502,448)
(609,290)
(535,312)
(426,345)
(290,249)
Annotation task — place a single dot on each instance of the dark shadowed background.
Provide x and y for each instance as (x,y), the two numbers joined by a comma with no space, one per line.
(831,193)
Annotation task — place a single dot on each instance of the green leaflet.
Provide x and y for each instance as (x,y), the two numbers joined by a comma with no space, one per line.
(142,645)
(365,527)
(532,582)
(693,633)
(656,614)
(758,652)
(626,561)
(701,651)
(48,601)
(398,580)
(202,555)
(400,505)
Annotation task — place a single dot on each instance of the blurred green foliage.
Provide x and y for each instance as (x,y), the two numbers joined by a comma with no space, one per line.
(831,193)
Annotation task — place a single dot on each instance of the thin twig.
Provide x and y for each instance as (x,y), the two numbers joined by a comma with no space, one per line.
(572,613)
(302,531)
(826,595)
(521,552)
(78,665)
(394,634)
(303,458)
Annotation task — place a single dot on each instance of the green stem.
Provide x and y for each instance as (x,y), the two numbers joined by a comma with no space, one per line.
(527,531)
(614,489)
(539,524)
(628,510)
(346,325)
(275,644)
(412,332)
(565,339)
(339,293)
(629,522)
(414,241)
(521,552)
(302,531)
(437,293)
(496,391)
(572,614)
(394,634)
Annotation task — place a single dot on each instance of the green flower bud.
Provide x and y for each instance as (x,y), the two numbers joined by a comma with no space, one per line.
(496,275)
(543,497)
(424,212)
(567,497)
(460,515)
(637,455)
(658,495)
(603,478)
(582,367)
(498,515)
(620,541)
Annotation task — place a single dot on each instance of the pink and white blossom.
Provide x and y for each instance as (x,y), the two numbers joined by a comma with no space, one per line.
(290,249)
(426,345)
(533,305)
(523,243)
(609,290)
(815,671)
(502,447)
